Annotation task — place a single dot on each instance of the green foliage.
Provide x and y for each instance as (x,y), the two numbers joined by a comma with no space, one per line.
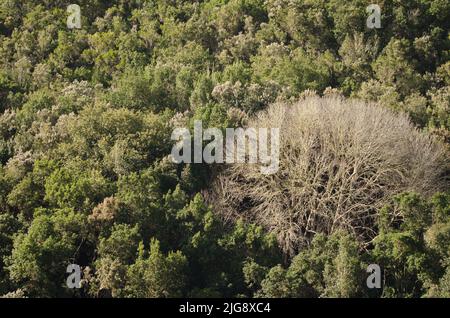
(40,256)
(158,275)
(411,249)
(121,244)
(294,69)
(330,267)
(86,117)
(69,188)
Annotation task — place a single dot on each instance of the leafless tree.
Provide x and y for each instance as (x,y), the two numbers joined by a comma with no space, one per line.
(340,161)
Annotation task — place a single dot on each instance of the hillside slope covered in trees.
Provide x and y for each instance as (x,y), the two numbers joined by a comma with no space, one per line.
(85,137)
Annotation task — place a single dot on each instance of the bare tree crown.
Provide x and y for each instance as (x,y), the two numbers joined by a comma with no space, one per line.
(340,160)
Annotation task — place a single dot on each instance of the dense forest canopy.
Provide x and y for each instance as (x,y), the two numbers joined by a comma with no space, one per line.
(85,137)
